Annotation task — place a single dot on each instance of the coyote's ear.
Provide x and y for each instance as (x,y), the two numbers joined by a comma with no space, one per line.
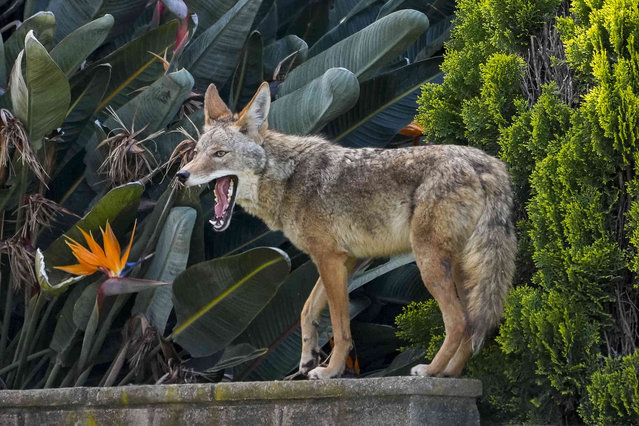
(253,117)
(214,107)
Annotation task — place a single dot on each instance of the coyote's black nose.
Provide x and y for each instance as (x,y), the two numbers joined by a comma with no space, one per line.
(183,175)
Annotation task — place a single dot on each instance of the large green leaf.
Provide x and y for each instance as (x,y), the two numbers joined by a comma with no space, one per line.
(118,206)
(216,300)
(309,108)
(280,49)
(41,23)
(209,11)
(277,326)
(169,260)
(65,333)
(132,64)
(86,95)
(363,53)
(212,56)
(362,15)
(363,277)
(126,14)
(73,14)
(380,92)
(42,98)
(75,47)
(248,75)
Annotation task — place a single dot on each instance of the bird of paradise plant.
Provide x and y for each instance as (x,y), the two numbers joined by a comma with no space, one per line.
(94,258)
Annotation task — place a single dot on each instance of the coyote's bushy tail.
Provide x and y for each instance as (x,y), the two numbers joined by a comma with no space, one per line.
(488,260)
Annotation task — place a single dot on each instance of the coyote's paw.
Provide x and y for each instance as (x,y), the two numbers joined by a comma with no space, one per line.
(321,373)
(309,361)
(420,370)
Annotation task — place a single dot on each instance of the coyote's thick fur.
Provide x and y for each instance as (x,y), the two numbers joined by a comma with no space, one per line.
(451,205)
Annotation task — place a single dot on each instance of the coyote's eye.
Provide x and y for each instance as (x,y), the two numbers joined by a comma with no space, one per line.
(220,153)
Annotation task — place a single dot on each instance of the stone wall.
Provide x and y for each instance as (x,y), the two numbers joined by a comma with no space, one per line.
(375,401)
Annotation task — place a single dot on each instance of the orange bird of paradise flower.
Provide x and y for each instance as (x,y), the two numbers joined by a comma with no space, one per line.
(95,258)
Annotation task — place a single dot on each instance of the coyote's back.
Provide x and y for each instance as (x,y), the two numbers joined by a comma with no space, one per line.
(450,205)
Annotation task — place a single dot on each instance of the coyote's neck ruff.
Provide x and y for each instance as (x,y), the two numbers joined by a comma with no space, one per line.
(448,204)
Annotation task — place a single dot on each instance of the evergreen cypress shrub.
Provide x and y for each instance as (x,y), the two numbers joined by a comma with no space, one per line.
(552,88)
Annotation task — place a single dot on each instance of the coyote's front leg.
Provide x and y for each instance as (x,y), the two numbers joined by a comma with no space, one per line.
(333,269)
(309,319)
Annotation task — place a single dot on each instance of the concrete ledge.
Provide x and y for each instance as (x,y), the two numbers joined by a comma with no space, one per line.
(375,401)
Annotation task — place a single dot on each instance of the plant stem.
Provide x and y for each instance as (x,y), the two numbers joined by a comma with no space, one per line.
(52,374)
(34,371)
(29,358)
(32,320)
(4,336)
(43,322)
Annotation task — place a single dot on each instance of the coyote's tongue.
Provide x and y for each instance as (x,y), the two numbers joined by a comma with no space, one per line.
(221,191)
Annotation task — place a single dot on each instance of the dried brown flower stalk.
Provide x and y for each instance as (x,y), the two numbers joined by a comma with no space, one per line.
(21,262)
(127,159)
(13,134)
(40,212)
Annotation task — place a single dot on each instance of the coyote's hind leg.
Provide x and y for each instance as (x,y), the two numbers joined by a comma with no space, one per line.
(433,245)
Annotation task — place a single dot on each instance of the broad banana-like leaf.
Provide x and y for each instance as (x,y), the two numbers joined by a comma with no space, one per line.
(280,49)
(309,108)
(360,17)
(153,108)
(216,300)
(132,66)
(125,13)
(363,277)
(73,14)
(340,9)
(211,57)
(363,53)
(248,75)
(169,260)
(64,335)
(83,307)
(399,286)
(209,11)
(42,24)
(75,47)
(277,326)
(381,92)
(118,206)
(86,95)
(267,26)
(42,98)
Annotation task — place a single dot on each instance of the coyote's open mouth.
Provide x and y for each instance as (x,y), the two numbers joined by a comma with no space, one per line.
(225,192)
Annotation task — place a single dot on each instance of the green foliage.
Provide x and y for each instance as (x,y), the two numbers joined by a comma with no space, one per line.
(567,128)
(613,395)
(421,325)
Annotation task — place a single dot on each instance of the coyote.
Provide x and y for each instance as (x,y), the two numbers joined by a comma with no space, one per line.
(451,205)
